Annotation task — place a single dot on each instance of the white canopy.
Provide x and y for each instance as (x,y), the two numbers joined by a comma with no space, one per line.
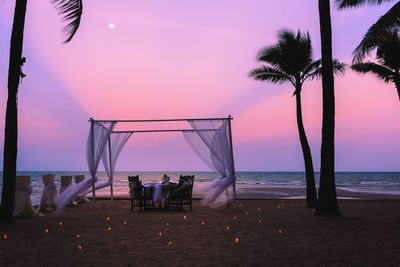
(210,139)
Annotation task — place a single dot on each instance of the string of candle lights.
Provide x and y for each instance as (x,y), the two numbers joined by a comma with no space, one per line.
(203,222)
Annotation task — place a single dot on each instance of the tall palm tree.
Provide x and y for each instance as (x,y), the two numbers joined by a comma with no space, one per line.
(71,11)
(388,58)
(327,202)
(389,22)
(290,61)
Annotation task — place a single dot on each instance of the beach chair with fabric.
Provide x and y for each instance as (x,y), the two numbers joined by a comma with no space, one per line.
(136,192)
(22,200)
(81,197)
(183,194)
(66,181)
(49,196)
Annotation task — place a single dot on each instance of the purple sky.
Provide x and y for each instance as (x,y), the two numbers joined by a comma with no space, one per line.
(178,59)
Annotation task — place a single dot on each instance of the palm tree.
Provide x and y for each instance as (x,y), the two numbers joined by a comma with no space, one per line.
(327,202)
(72,11)
(389,22)
(291,61)
(388,58)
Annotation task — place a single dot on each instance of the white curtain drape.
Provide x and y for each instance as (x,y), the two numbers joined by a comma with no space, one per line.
(98,135)
(210,141)
(110,155)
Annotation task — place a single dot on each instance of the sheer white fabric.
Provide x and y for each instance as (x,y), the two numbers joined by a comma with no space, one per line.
(22,201)
(81,197)
(66,181)
(110,156)
(49,196)
(97,139)
(210,141)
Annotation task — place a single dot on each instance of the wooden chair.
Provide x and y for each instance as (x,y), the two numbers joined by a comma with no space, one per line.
(148,193)
(135,190)
(183,194)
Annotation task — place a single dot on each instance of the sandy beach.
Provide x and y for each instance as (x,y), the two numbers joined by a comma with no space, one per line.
(269,233)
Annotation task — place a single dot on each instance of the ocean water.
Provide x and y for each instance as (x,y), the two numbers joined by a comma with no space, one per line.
(365,182)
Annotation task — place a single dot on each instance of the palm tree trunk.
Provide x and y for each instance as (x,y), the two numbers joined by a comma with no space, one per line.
(397,83)
(11,122)
(327,203)
(311,194)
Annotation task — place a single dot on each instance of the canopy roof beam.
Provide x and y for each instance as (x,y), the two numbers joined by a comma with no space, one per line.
(161,131)
(214,119)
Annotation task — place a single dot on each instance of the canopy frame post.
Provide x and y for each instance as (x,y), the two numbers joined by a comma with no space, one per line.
(94,179)
(110,159)
(233,162)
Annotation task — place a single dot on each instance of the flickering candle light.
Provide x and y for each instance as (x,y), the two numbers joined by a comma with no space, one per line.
(184,217)
(259,209)
(109,228)
(124,222)
(77,236)
(203,223)
(80,247)
(5,237)
(160,233)
(279,206)
(237,240)
(227,228)
(108,218)
(167,224)
(46,230)
(169,243)
(280,231)
(234,217)
(259,220)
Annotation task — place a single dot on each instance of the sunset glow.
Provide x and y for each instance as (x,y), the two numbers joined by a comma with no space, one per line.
(184,59)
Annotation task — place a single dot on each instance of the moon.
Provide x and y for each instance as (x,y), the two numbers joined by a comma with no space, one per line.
(111,25)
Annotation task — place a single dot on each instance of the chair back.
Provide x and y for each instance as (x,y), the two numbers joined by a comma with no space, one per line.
(22,182)
(66,180)
(48,178)
(135,186)
(134,178)
(186,180)
(79,178)
(186,185)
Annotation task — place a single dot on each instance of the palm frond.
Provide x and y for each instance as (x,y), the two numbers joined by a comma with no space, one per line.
(389,22)
(338,68)
(357,3)
(377,70)
(270,54)
(388,51)
(72,13)
(265,73)
(310,69)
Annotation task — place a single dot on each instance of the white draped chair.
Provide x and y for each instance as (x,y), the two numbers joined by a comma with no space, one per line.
(81,197)
(49,196)
(22,201)
(66,182)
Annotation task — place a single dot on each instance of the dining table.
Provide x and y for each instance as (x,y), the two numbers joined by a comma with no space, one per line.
(161,191)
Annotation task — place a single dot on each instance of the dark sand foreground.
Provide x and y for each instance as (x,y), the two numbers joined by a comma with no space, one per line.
(288,234)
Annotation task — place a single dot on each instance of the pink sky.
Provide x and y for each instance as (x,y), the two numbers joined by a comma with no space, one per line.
(179,59)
